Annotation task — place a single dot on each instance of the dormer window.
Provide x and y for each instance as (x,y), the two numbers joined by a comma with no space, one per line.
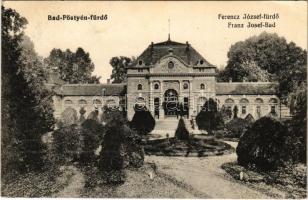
(170,65)
(140,62)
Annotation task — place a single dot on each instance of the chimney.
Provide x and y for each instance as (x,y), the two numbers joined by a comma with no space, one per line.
(108,81)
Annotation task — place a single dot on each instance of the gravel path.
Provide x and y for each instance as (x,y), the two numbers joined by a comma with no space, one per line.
(75,183)
(205,175)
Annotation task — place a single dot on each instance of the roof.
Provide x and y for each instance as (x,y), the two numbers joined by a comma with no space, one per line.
(185,51)
(91,89)
(246,88)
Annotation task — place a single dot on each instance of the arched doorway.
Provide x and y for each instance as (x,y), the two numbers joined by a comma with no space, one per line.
(170,102)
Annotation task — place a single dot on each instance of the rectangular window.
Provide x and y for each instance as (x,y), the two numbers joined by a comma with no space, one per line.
(140,70)
(243,110)
(273,109)
(258,111)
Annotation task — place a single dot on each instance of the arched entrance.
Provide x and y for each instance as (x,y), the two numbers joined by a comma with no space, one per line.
(170,102)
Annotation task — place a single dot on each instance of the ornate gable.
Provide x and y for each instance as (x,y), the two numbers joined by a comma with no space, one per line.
(170,64)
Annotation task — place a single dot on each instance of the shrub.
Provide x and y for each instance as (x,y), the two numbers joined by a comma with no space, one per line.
(93,115)
(263,144)
(236,127)
(94,127)
(181,132)
(143,122)
(69,117)
(121,147)
(82,118)
(226,113)
(75,143)
(250,118)
(235,111)
(67,145)
(209,118)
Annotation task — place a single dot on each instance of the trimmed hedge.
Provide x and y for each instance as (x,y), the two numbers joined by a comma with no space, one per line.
(236,127)
(143,122)
(181,132)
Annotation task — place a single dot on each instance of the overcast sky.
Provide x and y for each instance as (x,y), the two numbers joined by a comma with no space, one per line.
(132,26)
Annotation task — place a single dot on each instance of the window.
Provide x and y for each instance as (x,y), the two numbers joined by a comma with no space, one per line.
(104,92)
(258,111)
(68,102)
(259,100)
(202,86)
(273,109)
(185,86)
(82,101)
(97,102)
(140,70)
(201,70)
(139,87)
(170,65)
(244,101)
(140,62)
(243,110)
(156,86)
(201,62)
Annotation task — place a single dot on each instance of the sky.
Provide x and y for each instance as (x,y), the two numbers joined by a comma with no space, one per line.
(132,26)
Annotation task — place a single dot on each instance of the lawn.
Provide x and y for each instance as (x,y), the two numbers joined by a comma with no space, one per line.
(292,179)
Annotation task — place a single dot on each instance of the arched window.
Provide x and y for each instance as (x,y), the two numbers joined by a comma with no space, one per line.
(139,87)
(68,101)
(185,86)
(111,103)
(244,101)
(202,86)
(156,86)
(259,100)
(82,102)
(201,62)
(273,101)
(140,62)
(229,100)
(97,102)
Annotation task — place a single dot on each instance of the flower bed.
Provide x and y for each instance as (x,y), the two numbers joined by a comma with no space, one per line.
(194,147)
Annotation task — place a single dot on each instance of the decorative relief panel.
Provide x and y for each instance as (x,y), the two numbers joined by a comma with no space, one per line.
(170,64)
(171,85)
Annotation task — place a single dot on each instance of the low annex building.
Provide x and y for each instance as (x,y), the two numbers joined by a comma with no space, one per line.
(166,75)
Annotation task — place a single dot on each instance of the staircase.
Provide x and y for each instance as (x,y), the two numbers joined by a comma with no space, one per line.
(169,125)
(165,126)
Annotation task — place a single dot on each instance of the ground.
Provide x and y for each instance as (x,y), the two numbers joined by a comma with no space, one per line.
(173,177)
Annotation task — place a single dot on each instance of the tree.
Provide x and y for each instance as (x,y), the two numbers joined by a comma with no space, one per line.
(264,145)
(143,121)
(209,118)
(248,71)
(181,132)
(267,51)
(27,104)
(120,147)
(119,68)
(72,67)
(235,111)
